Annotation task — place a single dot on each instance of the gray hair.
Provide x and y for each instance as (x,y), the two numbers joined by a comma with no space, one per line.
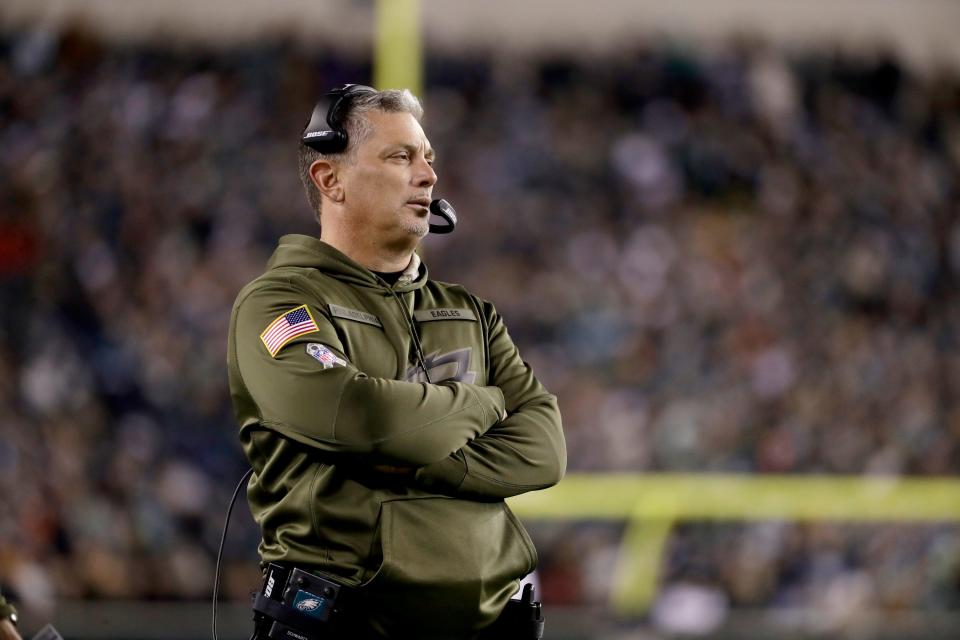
(358,129)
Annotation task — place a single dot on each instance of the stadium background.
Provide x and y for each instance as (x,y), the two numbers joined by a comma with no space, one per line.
(728,238)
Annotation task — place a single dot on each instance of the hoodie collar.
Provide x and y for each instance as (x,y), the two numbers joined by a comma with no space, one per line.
(411,272)
(295,250)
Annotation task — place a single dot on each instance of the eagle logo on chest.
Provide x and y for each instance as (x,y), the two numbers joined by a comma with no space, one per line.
(452,365)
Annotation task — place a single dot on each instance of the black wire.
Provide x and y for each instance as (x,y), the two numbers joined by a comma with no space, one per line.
(223,539)
(411,325)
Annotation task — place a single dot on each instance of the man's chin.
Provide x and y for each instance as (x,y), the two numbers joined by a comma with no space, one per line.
(417,228)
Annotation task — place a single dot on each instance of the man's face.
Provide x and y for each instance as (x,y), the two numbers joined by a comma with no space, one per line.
(387,189)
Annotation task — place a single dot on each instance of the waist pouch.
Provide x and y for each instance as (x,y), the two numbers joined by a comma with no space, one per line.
(294,604)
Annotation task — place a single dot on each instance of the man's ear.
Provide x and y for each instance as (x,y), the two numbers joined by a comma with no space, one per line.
(326,177)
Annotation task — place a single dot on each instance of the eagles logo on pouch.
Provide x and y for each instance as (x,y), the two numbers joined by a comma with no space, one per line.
(325,356)
(308,605)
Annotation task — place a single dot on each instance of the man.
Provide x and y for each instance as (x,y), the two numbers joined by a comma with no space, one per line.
(386,415)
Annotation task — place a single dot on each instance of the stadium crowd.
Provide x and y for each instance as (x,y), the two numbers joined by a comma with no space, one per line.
(741,260)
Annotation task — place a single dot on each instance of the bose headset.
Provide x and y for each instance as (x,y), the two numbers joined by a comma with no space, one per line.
(328,134)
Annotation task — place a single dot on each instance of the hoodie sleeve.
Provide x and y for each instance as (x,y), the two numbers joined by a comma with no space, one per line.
(326,403)
(524,452)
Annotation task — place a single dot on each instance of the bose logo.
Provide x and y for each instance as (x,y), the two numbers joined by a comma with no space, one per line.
(269,588)
(318,134)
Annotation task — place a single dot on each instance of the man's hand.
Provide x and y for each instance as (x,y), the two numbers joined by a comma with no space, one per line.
(8,631)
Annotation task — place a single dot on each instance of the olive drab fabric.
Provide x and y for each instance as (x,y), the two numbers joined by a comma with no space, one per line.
(366,472)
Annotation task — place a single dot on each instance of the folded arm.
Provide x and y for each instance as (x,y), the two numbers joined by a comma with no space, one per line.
(524,452)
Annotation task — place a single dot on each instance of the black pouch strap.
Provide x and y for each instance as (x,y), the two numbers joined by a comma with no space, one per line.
(289,616)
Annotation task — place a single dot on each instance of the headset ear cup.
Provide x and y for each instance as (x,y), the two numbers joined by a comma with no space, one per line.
(325,133)
(317,119)
(325,141)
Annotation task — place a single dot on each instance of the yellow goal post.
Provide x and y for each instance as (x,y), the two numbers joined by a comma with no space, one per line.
(651,504)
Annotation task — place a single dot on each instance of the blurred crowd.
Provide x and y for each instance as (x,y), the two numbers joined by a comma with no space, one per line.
(736,260)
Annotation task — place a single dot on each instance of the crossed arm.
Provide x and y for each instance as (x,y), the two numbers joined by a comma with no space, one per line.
(524,452)
(450,437)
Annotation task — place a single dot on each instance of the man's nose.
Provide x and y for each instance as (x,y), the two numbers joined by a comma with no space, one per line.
(425,175)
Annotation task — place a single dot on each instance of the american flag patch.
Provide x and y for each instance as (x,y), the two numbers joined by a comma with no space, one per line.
(286,327)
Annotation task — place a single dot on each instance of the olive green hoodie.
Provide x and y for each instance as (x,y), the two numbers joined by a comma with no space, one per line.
(326,365)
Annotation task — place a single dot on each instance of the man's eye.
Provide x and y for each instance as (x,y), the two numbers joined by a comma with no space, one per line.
(402,156)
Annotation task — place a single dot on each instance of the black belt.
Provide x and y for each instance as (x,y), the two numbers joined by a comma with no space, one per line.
(297,605)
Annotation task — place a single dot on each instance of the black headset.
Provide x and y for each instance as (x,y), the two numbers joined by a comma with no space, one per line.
(327,134)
